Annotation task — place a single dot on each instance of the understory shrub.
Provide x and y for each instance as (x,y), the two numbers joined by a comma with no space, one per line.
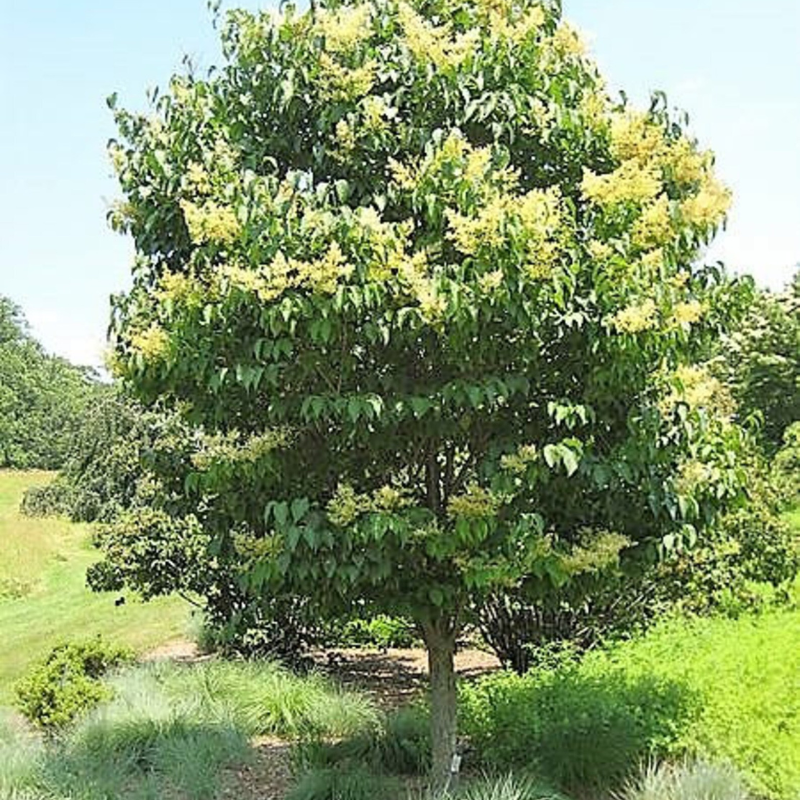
(723,689)
(381,631)
(67,683)
(574,726)
(47,500)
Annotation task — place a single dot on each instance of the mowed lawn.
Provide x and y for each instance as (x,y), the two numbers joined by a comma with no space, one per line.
(43,594)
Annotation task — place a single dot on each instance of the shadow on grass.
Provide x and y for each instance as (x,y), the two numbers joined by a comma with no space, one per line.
(577,730)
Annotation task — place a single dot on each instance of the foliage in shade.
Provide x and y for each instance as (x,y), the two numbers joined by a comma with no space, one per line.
(430,293)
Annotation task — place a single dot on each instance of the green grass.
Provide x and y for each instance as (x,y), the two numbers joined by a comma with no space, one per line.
(46,560)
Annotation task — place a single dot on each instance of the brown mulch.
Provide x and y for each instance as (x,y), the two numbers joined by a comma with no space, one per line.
(396,676)
(266,777)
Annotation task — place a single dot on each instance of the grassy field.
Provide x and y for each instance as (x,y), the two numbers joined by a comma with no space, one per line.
(43,597)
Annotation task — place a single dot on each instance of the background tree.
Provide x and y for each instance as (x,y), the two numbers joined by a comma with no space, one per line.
(761,362)
(429,293)
(41,396)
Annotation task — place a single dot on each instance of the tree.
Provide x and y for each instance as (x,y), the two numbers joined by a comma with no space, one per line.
(428,291)
(760,359)
(41,396)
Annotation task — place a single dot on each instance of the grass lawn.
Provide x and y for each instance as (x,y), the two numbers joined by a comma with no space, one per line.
(43,597)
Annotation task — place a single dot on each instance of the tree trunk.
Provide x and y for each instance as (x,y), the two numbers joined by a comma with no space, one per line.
(440,639)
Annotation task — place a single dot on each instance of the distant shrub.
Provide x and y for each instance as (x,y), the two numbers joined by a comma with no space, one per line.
(344,783)
(786,466)
(67,682)
(380,631)
(48,500)
(690,780)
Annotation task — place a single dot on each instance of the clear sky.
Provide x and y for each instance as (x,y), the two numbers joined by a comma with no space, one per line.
(734,65)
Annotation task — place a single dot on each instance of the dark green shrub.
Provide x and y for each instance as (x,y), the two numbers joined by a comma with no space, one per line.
(344,783)
(572,727)
(48,500)
(380,631)
(67,682)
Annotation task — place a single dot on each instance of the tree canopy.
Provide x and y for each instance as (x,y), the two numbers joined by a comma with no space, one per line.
(432,296)
(41,396)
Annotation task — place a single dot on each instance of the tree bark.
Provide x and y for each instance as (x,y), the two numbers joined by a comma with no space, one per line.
(440,639)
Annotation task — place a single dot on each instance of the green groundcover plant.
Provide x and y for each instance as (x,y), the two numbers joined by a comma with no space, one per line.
(432,297)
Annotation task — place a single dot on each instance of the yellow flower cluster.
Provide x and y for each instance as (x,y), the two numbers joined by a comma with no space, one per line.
(630,182)
(596,553)
(175,286)
(503,22)
(485,230)
(694,386)
(685,163)
(388,498)
(475,503)
(345,139)
(489,282)
(636,318)
(210,223)
(435,44)
(708,207)
(151,343)
(375,111)
(538,214)
(347,505)
(691,475)
(339,83)
(654,226)
(519,462)
(269,282)
(196,179)
(635,137)
(344,27)
(567,41)
(652,263)
(688,313)
(232,447)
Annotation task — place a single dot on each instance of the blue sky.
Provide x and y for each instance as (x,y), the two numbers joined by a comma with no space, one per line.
(734,65)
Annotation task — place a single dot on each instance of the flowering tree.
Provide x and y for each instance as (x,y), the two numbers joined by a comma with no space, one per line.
(429,292)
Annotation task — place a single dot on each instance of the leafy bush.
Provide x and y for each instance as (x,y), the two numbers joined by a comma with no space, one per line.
(337,783)
(786,466)
(746,561)
(721,688)
(380,631)
(574,726)
(692,780)
(47,500)
(67,682)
